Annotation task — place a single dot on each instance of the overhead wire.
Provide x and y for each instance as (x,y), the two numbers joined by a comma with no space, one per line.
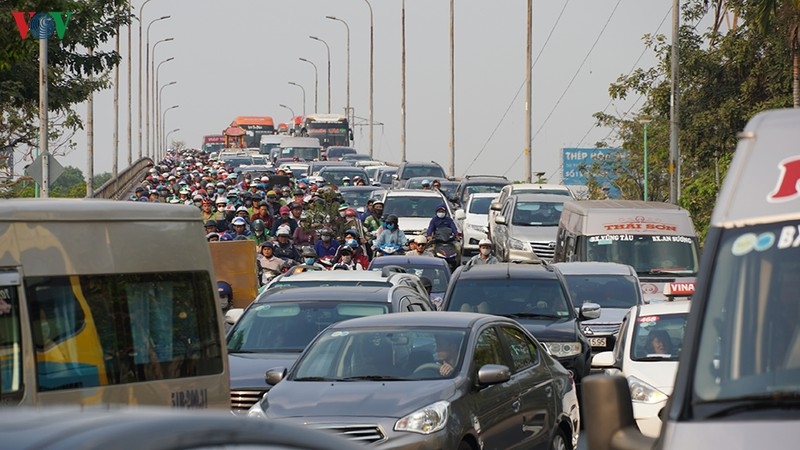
(569,85)
(503,118)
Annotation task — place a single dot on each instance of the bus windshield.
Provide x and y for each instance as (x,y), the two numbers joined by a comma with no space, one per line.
(648,254)
(329,133)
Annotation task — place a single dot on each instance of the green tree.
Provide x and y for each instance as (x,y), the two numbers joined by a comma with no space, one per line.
(781,17)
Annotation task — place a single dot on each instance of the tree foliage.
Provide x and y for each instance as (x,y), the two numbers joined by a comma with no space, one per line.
(726,77)
(92,23)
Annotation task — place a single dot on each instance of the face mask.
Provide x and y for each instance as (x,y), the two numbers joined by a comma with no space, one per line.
(309,261)
(341,214)
(248,203)
(378,212)
(326,238)
(221,190)
(389,226)
(351,242)
(440,215)
(486,251)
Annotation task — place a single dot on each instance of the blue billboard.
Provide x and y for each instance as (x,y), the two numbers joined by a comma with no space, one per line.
(576,159)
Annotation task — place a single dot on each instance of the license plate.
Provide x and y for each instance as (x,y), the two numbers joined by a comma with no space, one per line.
(597,342)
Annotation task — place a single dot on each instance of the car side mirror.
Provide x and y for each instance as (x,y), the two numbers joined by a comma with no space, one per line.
(274,376)
(460,214)
(589,311)
(493,374)
(232,315)
(603,360)
(496,206)
(500,220)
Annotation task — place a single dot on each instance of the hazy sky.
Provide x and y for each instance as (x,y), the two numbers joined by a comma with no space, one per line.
(236,57)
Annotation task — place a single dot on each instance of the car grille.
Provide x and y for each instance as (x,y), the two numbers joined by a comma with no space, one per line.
(243,400)
(544,250)
(366,434)
(602,329)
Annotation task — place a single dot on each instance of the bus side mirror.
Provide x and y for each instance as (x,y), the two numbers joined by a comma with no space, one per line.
(350,134)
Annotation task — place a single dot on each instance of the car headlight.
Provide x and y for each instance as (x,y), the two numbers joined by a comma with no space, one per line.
(644,393)
(427,420)
(563,349)
(516,244)
(478,228)
(256,411)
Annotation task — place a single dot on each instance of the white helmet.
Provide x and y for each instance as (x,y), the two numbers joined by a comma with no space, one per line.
(484,242)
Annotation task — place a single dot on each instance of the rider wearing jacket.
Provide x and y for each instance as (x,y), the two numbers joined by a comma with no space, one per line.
(391,234)
(441,220)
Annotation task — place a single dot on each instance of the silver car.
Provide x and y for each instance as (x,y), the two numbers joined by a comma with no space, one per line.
(526,228)
(446,380)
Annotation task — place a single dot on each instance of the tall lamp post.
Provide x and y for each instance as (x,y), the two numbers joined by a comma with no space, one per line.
(163,121)
(316,84)
(304,95)
(403,81)
(159,130)
(166,138)
(371,71)
(644,122)
(141,13)
(291,111)
(329,69)
(154,81)
(157,98)
(147,82)
(347,107)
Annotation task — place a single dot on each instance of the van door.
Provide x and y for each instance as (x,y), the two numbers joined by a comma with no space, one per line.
(11,364)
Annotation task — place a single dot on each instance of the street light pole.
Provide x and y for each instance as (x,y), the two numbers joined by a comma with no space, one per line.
(452,95)
(347,107)
(403,81)
(157,100)
(644,122)
(316,84)
(304,96)
(147,84)
(163,121)
(290,110)
(166,138)
(159,127)
(528,93)
(153,89)
(141,13)
(329,69)
(371,71)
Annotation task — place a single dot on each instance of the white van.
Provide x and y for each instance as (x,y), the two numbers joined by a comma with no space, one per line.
(268,142)
(657,239)
(108,302)
(737,381)
(303,148)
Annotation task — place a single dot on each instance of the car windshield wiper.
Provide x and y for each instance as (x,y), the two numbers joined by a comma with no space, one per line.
(315,379)
(375,378)
(530,315)
(772,400)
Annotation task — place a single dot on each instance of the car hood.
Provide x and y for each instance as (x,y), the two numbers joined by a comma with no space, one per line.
(248,370)
(477,219)
(659,374)
(548,330)
(354,398)
(533,233)
(608,315)
(413,224)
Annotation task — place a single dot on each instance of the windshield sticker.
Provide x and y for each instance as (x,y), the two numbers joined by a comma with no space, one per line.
(744,244)
(790,237)
(608,238)
(748,242)
(678,239)
(340,333)
(648,321)
(765,241)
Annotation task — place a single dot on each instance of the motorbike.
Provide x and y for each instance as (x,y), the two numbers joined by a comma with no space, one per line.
(388,249)
(444,245)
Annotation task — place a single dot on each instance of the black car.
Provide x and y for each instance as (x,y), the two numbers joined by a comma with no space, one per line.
(534,295)
(434,269)
(335,153)
(410,169)
(475,184)
(276,327)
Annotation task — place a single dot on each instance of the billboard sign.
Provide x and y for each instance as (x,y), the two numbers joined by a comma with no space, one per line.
(576,160)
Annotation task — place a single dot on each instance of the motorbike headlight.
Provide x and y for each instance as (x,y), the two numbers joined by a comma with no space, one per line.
(642,392)
(516,244)
(427,420)
(563,349)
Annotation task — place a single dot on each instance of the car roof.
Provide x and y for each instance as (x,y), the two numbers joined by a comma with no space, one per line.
(440,319)
(408,260)
(341,168)
(675,307)
(420,164)
(413,193)
(325,275)
(504,270)
(527,197)
(377,294)
(483,195)
(594,268)
(359,188)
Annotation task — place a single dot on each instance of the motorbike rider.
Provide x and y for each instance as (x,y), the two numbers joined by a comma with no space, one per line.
(259,234)
(418,246)
(484,255)
(326,246)
(267,263)
(346,260)
(440,220)
(239,226)
(284,218)
(373,221)
(310,258)
(391,234)
(283,247)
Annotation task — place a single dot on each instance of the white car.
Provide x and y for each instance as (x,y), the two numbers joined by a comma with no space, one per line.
(524,188)
(414,209)
(474,221)
(647,354)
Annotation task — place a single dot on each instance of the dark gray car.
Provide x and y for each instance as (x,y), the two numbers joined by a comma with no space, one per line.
(429,381)
(276,327)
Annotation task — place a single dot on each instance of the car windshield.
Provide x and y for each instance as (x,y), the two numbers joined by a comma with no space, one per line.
(658,337)
(423,171)
(488,188)
(288,282)
(335,176)
(749,338)
(608,291)
(507,297)
(381,354)
(480,205)
(439,275)
(237,161)
(537,214)
(411,206)
(356,198)
(289,327)
(648,254)
(386,176)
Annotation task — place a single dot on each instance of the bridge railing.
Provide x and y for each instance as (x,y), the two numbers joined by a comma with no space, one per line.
(121,186)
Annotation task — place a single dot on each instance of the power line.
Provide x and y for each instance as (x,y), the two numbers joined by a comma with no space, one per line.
(503,118)
(569,85)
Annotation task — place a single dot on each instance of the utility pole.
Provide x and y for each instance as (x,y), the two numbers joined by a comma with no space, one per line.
(90,138)
(452,96)
(674,150)
(43,131)
(402,84)
(371,73)
(115,134)
(528,90)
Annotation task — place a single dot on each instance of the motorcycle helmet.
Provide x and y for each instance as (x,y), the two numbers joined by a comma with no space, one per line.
(258,225)
(392,219)
(225,294)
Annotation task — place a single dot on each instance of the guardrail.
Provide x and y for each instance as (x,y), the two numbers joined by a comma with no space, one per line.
(119,187)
